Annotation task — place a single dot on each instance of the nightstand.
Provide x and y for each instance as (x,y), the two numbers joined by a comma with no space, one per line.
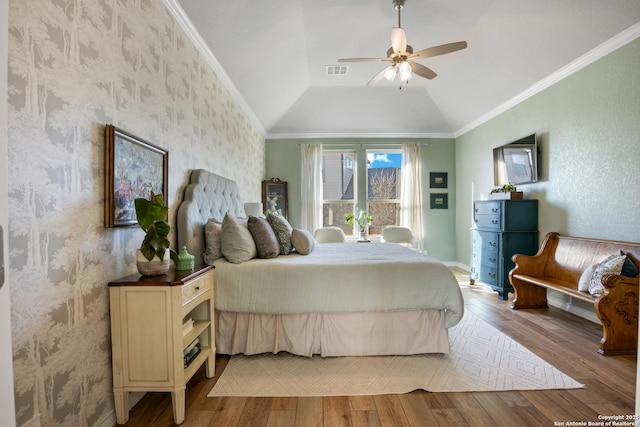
(147,340)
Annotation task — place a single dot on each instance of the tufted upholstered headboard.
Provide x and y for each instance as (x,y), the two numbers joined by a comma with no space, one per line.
(207,196)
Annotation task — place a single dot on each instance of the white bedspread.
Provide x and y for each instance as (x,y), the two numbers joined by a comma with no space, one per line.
(340,278)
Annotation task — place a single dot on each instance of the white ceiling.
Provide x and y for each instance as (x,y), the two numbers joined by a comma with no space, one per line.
(275,51)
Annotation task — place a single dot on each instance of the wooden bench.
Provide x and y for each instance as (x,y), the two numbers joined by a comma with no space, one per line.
(559,264)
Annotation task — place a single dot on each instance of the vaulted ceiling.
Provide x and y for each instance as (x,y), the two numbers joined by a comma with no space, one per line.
(275,54)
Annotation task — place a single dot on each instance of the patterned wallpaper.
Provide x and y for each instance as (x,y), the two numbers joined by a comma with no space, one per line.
(75,65)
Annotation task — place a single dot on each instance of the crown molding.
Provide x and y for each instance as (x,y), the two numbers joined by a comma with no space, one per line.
(185,23)
(397,135)
(590,57)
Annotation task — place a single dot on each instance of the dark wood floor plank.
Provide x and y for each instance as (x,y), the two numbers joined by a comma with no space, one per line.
(417,410)
(337,411)
(310,412)
(390,410)
(256,412)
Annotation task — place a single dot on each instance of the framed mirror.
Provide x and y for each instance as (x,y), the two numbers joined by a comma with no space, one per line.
(274,196)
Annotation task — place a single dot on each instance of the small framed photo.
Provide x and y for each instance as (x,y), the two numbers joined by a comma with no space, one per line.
(439,201)
(437,179)
(133,169)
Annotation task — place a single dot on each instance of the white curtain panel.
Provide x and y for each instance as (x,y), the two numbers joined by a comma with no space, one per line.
(311,186)
(411,191)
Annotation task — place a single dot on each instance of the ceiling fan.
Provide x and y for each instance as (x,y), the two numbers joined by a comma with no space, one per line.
(400,55)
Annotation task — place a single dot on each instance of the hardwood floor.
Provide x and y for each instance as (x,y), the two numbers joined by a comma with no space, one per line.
(564,340)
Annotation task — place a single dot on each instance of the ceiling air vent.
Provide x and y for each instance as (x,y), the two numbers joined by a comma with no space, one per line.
(337,70)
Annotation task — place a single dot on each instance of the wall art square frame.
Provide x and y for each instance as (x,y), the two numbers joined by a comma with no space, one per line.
(439,200)
(437,179)
(133,169)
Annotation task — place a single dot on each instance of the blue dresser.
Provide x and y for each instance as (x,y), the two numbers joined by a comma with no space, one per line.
(501,228)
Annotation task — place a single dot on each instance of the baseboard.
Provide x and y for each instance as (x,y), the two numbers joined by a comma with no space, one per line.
(457,265)
(109,420)
(569,307)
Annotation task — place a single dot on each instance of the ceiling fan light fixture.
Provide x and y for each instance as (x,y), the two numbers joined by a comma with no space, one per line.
(404,71)
(390,74)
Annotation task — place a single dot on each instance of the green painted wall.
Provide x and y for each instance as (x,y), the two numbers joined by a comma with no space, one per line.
(438,155)
(589,129)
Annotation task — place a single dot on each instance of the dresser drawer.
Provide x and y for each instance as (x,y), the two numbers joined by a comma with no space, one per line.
(196,288)
(485,240)
(488,207)
(488,221)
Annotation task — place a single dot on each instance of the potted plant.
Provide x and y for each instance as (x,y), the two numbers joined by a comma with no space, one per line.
(154,256)
(506,192)
(363,219)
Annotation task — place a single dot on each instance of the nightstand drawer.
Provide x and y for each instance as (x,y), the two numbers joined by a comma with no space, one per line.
(196,288)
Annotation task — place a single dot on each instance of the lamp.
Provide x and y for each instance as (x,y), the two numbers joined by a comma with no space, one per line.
(253,208)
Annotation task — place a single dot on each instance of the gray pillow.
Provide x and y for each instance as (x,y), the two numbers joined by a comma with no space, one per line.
(611,265)
(264,237)
(213,241)
(237,243)
(282,230)
(302,241)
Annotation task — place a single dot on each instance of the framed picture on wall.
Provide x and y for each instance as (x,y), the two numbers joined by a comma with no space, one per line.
(275,197)
(439,201)
(133,168)
(437,179)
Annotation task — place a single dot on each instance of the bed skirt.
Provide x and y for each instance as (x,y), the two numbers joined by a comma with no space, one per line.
(333,334)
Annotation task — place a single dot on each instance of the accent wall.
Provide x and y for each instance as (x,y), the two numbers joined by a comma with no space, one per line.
(74,66)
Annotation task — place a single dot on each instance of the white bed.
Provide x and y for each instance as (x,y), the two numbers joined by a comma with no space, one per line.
(341,299)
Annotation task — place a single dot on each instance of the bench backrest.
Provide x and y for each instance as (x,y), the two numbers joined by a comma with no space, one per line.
(570,256)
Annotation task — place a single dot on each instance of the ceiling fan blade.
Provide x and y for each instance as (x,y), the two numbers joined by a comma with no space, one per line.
(422,71)
(375,79)
(364,59)
(398,40)
(438,50)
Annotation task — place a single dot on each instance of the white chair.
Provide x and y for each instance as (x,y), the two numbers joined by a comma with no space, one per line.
(329,235)
(401,235)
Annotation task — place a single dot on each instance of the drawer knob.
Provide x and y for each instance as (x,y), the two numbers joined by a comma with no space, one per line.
(494,210)
(494,221)
(197,288)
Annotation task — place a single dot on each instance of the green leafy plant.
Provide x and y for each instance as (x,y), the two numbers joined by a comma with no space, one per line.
(363,219)
(507,188)
(152,217)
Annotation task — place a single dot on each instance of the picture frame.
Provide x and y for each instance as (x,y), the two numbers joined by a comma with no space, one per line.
(275,196)
(438,179)
(133,169)
(439,201)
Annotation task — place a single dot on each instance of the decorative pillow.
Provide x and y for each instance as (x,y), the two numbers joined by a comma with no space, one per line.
(585,278)
(629,269)
(611,265)
(264,237)
(302,241)
(237,243)
(213,241)
(282,229)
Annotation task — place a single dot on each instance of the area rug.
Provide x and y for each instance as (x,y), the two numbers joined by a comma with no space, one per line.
(482,359)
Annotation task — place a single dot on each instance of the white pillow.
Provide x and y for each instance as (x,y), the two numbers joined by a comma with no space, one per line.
(302,241)
(237,242)
(585,278)
(611,265)
(213,241)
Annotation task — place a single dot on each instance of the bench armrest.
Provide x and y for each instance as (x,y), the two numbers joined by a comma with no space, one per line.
(534,265)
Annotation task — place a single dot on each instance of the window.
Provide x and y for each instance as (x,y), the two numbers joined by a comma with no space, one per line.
(340,187)
(383,188)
